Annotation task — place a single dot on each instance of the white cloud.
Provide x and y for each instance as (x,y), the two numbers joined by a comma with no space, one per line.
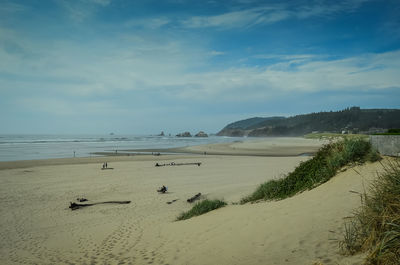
(269,14)
(9,7)
(216,53)
(80,10)
(149,23)
(360,73)
(101,2)
(68,107)
(235,19)
(170,68)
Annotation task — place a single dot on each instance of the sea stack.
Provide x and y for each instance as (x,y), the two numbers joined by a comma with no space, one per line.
(201,134)
(185,134)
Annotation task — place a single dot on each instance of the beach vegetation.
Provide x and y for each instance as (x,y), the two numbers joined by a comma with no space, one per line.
(202,208)
(313,172)
(394,130)
(375,227)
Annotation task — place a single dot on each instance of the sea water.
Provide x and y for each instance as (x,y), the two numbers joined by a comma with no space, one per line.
(29,147)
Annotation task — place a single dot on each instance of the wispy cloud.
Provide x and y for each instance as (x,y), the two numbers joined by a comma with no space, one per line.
(369,72)
(216,53)
(286,57)
(80,10)
(244,18)
(162,67)
(67,107)
(148,23)
(269,14)
(9,7)
(101,2)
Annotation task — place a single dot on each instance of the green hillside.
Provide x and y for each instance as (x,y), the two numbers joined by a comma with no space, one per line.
(354,120)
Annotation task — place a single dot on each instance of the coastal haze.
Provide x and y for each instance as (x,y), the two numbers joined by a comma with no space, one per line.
(105,101)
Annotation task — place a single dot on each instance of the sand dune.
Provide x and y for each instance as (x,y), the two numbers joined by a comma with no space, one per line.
(37,227)
(301,230)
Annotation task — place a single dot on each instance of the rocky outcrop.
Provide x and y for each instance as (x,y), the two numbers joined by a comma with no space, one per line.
(185,134)
(201,134)
(232,132)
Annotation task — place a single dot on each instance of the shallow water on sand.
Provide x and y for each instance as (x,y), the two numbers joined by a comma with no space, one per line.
(29,147)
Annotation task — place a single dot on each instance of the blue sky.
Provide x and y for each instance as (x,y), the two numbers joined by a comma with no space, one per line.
(143,66)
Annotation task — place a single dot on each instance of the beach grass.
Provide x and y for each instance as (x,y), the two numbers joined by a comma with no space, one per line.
(311,173)
(202,208)
(375,227)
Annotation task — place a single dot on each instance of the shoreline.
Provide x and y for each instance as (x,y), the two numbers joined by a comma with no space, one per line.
(5,165)
(260,147)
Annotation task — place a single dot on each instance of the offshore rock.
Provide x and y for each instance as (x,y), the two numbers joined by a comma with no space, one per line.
(201,134)
(185,134)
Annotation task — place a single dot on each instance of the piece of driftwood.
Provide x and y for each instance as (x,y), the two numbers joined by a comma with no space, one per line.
(74,206)
(103,168)
(172,201)
(195,197)
(177,164)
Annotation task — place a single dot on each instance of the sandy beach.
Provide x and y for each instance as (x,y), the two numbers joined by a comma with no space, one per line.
(37,227)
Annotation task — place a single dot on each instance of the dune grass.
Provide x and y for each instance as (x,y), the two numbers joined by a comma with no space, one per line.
(376,225)
(201,208)
(317,170)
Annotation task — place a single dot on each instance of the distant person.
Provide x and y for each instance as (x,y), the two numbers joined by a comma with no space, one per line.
(163,189)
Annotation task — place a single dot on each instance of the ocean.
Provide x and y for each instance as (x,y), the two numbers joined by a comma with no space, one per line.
(30,147)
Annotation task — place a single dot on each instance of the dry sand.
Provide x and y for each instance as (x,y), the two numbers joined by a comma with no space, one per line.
(37,227)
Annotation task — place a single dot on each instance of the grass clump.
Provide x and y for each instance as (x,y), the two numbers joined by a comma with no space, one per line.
(376,225)
(202,208)
(317,170)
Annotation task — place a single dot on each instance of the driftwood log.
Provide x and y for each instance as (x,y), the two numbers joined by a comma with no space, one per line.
(195,197)
(75,206)
(103,168)
(172,201)
(177,164)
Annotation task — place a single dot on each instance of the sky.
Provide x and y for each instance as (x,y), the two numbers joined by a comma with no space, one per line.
(144,66)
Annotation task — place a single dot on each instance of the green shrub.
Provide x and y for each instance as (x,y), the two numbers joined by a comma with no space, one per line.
(376,225)
(311,173)
(202,208)
(394,131)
